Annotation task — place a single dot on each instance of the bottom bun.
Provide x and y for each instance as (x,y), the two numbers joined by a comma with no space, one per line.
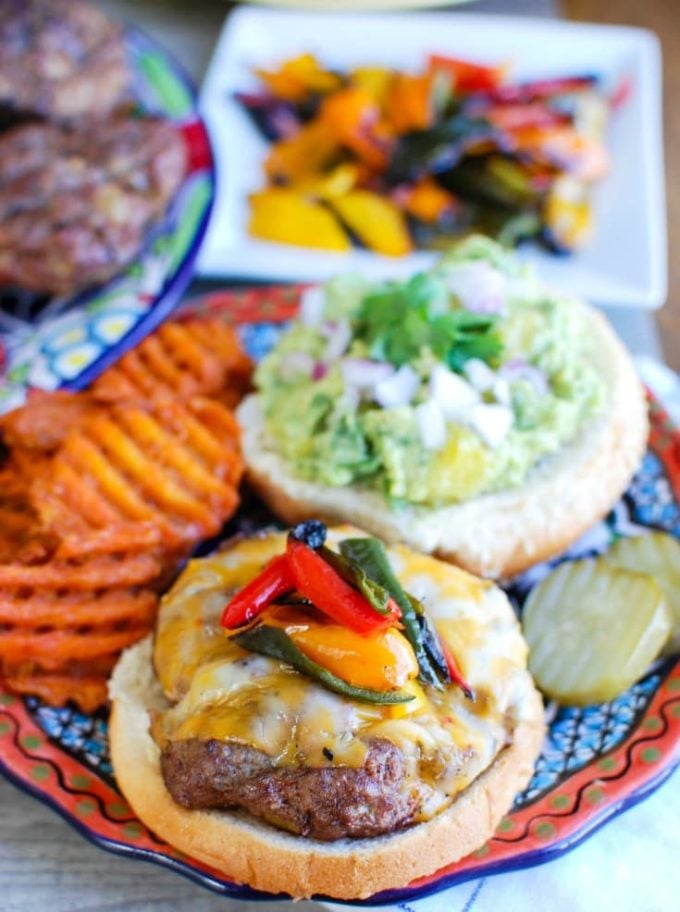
(254,853)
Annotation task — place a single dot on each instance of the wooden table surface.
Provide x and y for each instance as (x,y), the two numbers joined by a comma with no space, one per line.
(43,863)
(663,17)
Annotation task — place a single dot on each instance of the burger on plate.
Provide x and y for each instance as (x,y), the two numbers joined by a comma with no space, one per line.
(319,714)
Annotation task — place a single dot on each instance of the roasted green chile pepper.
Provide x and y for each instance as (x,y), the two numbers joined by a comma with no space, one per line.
(275,643)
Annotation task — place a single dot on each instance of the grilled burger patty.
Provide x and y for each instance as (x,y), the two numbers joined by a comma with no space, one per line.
(60,59)
(75,202)
(323,802)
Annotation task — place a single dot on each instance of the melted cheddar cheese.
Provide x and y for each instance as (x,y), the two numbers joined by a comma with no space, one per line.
(219,691)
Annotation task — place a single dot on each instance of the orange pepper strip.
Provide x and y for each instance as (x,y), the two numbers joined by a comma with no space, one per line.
(409,102)
(351,116)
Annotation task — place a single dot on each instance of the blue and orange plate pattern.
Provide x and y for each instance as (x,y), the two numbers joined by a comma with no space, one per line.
(595,762)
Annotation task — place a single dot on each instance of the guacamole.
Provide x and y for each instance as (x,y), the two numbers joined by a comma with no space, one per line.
(433,390)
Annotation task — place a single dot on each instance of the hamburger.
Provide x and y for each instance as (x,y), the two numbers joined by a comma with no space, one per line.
(470,412)
(354,718)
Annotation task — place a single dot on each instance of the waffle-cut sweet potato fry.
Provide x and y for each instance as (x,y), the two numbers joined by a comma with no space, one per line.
(180,360)
(53,648)
(88,693)
(83,454)
(147,474)
(22,539)
(98,667)
(49,609)
(157,443)
(118,571)
(45,420)
(102,494)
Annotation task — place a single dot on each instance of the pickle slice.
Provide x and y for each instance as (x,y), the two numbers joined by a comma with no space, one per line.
(658,554)
(593,630)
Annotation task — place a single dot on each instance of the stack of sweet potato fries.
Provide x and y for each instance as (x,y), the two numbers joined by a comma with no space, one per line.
(102,494)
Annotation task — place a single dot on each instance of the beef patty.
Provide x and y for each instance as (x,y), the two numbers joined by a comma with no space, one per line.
(76,201)
(322,802)
(60,59)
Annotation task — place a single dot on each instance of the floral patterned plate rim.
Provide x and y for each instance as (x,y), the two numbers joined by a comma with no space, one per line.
(596,762)
(70,340)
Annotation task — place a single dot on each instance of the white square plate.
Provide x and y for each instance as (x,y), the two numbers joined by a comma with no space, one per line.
(624,264)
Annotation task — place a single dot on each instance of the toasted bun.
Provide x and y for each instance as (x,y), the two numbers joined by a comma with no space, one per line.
(497,534)
(256,854)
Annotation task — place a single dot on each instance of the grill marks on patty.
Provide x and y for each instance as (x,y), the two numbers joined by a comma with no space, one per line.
(75,202)
(60,59)
(323,802)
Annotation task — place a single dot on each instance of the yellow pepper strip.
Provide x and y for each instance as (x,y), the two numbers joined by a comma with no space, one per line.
(282,215)
(379,661)
(305,153)
(374,81)
(298,77)
(375,220)
(330,185)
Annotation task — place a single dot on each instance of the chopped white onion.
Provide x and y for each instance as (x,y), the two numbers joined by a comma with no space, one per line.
(479,374)
(362,373)
(312,306)
(431,424)
(339,335)
(297,363)
(451,392)
(398,389)
(478,286)
(501,391)
(491,422)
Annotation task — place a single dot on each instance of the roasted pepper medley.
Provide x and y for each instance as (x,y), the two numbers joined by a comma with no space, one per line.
(342,619)
(396,161)
(432,391)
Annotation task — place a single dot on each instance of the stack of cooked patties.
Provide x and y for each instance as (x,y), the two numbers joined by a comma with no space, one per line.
(104,493)
(83,181)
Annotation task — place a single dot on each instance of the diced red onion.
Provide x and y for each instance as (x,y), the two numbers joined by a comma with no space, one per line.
(478,286)
(319,370)
(431,424)
(397,390)
(492,422)
(519,369)
(451,392)
(312,305)
(362,373)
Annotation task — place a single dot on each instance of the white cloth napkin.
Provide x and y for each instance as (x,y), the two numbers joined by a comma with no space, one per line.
(628,866)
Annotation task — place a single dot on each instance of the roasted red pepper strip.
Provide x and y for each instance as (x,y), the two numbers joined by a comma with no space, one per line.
(467,77)
(274,581)
(319,582)
(454,670)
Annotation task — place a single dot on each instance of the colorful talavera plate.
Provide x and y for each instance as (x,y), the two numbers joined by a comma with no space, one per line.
(595,762)
(70,340)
